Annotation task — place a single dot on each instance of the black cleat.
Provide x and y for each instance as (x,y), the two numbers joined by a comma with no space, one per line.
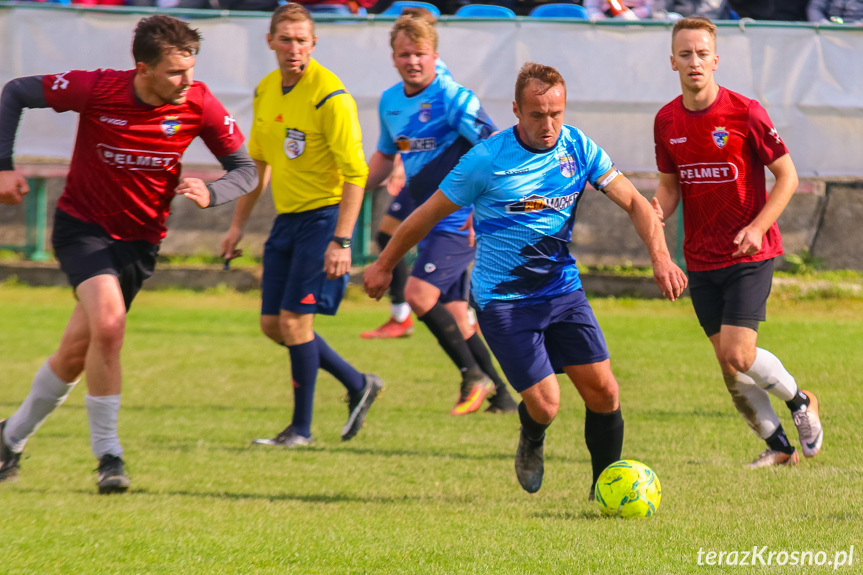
(112,477)
(287,438)
(359,404)
(502,402)
(528,463)
(8,459)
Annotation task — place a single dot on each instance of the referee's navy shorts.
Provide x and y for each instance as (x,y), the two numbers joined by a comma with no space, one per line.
(294,278)
(85,250)
(534,341)
(735,295)
(443,259)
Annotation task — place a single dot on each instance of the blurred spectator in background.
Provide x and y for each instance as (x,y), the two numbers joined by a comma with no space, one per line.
(713,9)
(787,10)
(621,9)
(838,11)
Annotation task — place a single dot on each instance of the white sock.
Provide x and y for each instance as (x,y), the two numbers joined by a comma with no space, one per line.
(47,393)
(400,311)
(102,413)
(753,404)
(769,374)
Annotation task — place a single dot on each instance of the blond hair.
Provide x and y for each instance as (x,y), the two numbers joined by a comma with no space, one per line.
(416,28)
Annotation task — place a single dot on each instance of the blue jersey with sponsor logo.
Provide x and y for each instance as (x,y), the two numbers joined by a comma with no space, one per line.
(524,203)
(432,130)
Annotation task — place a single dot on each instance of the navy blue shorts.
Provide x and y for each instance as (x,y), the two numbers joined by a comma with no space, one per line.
(85,250)
(294,277)
(402,205)
(443,259)
(735,295)
(534,341)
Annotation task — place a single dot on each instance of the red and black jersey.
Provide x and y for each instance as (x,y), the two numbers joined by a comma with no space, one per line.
(719,155)
(126,162)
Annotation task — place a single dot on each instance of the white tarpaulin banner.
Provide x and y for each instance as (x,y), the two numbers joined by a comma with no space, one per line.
(810,80)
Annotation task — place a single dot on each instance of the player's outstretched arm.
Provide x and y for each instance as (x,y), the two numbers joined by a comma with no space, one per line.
(18,94)
(748,240)
(243,210)
(670,278)
(377,277)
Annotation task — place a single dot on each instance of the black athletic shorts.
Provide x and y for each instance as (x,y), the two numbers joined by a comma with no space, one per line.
(85,250)
(736,295)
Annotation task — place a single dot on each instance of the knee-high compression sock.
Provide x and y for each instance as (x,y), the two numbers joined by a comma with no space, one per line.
(102,411)
(753,404)
(333,363)
(770,375)
(530,428)
(305,361)
(444,327)
(483,359)
(46,394)
(400,275)
(603,434)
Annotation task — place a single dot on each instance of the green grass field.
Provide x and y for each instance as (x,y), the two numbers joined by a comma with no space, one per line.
(417,491)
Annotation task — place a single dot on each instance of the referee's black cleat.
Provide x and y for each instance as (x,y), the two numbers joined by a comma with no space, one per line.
(528,463)
(359,404)
(8,459)
(112,476)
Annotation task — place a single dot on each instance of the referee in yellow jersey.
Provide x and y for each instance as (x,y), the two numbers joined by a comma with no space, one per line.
(306,136)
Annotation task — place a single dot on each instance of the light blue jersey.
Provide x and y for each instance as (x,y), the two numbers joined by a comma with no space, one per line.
(432,130)
(524,203)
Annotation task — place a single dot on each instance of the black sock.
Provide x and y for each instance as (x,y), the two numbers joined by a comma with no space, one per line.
(603,433)
(779,441)
(529,428)
(799,400)
(483,359)
(400,272)
(444,327)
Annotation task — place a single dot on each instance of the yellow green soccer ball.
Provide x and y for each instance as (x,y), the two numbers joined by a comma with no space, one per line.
(628,488)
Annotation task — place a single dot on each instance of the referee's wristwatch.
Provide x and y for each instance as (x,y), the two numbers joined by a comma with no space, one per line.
(343,242)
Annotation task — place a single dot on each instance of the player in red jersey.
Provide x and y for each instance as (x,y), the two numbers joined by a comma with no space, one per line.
(711,149)
(133,129)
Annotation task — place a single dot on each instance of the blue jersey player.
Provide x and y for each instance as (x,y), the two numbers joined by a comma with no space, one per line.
(431,122)
(524,184)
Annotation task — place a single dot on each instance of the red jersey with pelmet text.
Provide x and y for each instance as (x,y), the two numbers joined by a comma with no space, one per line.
(126,162)
(719,156)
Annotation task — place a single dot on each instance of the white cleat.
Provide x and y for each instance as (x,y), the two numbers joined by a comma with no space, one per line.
(808,425)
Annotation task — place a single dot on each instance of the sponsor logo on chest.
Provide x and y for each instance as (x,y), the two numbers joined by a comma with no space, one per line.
(707,173)
(137,160)
(408,145)
(536,203)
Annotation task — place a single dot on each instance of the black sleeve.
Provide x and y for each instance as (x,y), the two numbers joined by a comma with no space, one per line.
(242,177)
(18,94)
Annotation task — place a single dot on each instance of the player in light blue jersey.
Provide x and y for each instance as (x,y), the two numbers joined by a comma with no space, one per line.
(431,122)
(524,184)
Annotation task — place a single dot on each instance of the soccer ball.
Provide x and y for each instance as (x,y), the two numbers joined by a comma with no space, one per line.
(628,489)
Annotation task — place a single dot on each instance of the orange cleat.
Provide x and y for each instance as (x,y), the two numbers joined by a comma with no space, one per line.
(391,330)
(472,395)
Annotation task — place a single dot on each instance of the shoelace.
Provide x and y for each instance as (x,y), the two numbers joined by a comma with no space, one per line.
(801,420)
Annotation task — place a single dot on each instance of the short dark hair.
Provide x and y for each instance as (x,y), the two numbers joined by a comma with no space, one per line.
(292,12)
(155,34)
(694,23)
(543,74)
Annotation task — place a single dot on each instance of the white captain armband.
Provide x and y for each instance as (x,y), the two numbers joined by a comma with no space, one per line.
(608,179)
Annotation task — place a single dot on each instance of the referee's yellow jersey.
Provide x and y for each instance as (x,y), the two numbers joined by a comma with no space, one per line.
(310,137)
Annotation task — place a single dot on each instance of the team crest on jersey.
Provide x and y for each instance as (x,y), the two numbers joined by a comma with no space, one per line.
(425,112)
(171,125)
(295,143)
(567,165)
(720,136)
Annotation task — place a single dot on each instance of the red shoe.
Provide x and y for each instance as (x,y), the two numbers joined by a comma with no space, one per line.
(391,330)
